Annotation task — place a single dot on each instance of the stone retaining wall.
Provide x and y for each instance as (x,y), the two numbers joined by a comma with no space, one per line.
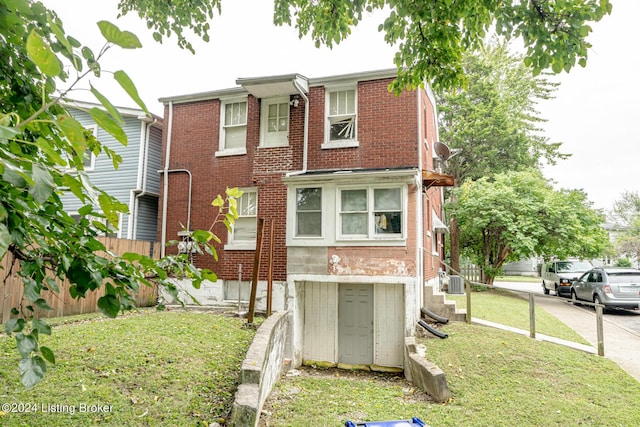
(260,370)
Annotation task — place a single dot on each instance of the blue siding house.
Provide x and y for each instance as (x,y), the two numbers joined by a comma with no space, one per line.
(136,182)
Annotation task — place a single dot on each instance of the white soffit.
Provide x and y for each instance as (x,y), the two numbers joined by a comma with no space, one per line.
(273,86)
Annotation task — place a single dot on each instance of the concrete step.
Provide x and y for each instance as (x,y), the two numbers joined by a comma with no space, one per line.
(436,301)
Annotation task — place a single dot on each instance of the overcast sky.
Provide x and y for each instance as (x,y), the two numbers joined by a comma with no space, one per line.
(595,112)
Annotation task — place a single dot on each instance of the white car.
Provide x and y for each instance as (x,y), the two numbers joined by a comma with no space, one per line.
(557,276)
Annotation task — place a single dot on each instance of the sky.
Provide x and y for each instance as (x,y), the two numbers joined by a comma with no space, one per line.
(595,112)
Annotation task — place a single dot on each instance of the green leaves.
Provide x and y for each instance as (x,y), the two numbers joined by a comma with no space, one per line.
(127,84)
(5,240)
(32,370)
(109,305)
(42,55)
(124,39)
(517,215)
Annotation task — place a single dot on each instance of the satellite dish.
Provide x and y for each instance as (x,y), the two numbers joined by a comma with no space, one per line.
(442,151)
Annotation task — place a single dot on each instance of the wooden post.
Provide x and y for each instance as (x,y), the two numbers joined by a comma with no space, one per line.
(532,316)
(256,270)
(270,270)
(599,330)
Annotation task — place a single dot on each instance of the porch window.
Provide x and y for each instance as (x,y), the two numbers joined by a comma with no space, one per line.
(371,213)
(309,212)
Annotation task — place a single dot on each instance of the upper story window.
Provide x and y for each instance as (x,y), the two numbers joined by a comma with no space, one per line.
(309,212)
(274,130)
(342,118)
(366,213)
(233,127)
(245,228)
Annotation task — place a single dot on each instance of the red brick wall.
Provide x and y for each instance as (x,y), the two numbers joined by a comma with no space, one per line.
(387,130)
(387,134)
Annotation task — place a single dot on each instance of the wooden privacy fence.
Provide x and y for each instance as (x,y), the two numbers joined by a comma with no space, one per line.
(12,290)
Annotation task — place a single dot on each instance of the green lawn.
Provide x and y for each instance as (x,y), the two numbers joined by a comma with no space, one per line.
(509,308)
(497,379)
(157,368)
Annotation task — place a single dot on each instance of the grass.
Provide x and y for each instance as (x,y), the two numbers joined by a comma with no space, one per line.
(508,308)
(156,368)
(497,378)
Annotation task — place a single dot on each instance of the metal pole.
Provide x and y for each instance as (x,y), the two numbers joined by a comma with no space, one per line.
(600,330)
(467,288)
(532,316)
(239,282)
(256,271)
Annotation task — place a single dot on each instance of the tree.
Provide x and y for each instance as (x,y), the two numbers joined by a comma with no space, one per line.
(626,208)
(431,36)
(41,65)
(493,121)
(39,143)
(626,213)
(516,215)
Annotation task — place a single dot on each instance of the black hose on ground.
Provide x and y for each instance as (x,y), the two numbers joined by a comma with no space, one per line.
(434,316)
(433,330)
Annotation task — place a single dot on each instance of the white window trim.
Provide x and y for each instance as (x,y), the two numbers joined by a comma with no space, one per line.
(371,235)
(222,151)
(264,115)
(323,210)
(346,143)
(243,245)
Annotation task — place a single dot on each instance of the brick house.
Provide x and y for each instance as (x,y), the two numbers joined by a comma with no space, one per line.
(343,172)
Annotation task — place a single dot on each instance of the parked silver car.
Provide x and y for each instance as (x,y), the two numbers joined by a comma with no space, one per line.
(612,287)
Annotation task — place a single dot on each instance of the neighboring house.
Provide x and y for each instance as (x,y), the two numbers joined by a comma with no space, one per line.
(136,182)
(344,172)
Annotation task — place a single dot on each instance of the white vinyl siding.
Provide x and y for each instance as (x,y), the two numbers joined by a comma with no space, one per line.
(389,324)
(320,321)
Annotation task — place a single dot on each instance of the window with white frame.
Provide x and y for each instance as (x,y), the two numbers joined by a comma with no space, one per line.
(341,115)
(309,212)
(233,132)
(275,122)
(371,213)
(244,230)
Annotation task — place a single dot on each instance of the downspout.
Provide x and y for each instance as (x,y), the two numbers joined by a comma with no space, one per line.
(305,137)
(167,172)
(165,183)
(420,258)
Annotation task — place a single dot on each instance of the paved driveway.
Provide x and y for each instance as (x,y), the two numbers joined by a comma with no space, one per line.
(621,329)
